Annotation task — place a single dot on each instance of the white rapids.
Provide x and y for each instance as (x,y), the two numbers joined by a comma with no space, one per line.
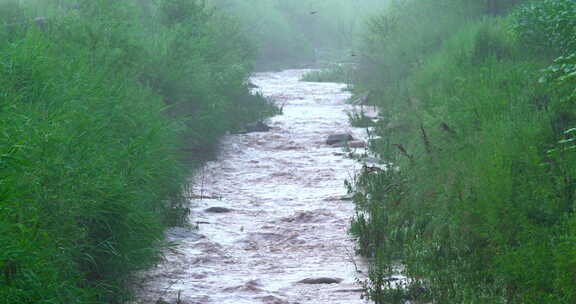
(287,221)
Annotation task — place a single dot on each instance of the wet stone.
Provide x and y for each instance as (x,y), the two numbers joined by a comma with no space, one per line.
(320,281)
(273,300)
(339,139)
(253,285)
(350,290)
(340,144)
(218,210)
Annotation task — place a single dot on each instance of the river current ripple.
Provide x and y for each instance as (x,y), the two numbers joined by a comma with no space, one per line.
(287,221)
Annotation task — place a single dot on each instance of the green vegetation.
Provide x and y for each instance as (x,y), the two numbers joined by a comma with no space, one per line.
(301,32)
(100,103)
(478,206)
(359,119)
(336,72)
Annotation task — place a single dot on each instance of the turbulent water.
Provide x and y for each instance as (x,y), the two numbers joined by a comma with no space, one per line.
(287,220)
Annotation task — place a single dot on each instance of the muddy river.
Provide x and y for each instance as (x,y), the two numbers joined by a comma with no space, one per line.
(281,222)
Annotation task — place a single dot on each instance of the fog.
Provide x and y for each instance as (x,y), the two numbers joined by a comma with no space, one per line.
(302,31)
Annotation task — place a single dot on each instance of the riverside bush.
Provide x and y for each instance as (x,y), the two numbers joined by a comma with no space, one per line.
(548,26)
(93,165)
(331,73)
(98,102)
(479,206)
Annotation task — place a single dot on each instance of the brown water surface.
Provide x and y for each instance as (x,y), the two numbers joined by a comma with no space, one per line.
(287,221)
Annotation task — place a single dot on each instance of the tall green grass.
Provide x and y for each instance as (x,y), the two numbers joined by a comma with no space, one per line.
(101,101)
(479,207)
(338,72)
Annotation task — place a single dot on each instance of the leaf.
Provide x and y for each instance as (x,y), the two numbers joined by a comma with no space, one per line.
(565,141)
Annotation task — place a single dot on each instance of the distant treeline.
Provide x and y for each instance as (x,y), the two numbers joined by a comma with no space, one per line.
(477,204)
(103,104)
(297,32)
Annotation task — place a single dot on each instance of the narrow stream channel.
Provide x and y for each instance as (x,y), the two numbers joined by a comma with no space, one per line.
(287,221)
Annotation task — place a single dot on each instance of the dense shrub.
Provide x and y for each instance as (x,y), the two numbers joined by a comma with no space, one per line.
(99,98)
(548,26)
(562,72)
(330,73)
(93,162)
(478,204)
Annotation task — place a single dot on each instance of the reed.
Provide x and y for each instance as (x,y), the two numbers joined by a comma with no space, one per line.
(97,106)
(480,208)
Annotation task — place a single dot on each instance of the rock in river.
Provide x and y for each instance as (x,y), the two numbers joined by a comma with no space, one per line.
(320,281)
(339,139)
(218,210)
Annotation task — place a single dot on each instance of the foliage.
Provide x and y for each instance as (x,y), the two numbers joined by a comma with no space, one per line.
(332,73)
(101,100)
(478,204)
(359,119)
(562,72)
(548,25)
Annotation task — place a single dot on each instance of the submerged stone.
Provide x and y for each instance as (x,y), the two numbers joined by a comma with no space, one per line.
(338,139)
(320,281)
(218,210)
